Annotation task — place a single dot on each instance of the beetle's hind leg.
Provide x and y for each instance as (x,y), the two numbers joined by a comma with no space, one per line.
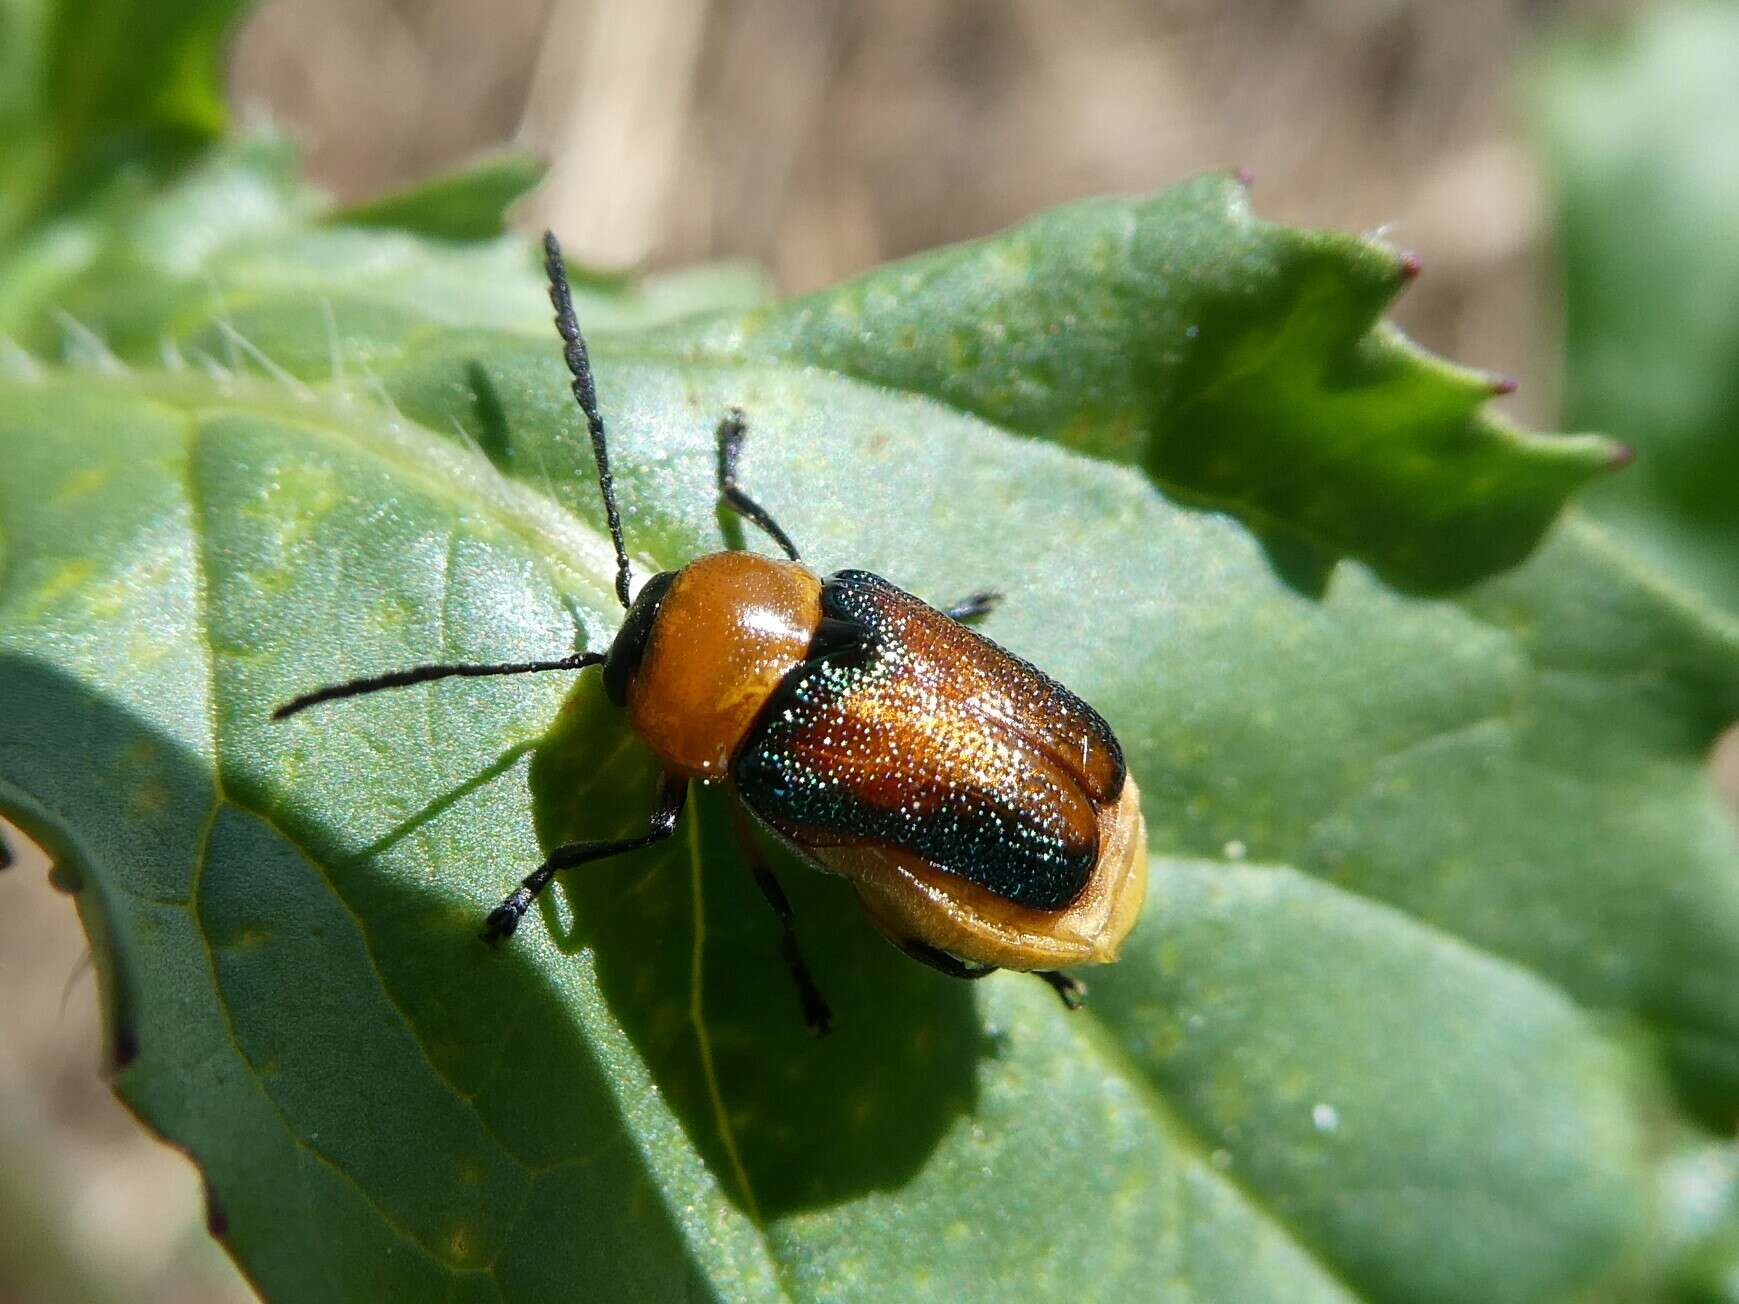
(1072,992)
(942,962)
(732,431)
(1069,990)
(815,1011)
(973,608)
(672,793)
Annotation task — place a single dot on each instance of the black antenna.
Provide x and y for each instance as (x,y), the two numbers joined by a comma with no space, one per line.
(422,675)
(586,395)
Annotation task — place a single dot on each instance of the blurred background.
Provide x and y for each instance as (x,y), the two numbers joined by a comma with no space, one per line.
(818,139)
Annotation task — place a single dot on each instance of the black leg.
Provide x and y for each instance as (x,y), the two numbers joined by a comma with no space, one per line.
(815,1011)
(1069,990)
(941,961)
(730,437)
(973,608)
(672,793)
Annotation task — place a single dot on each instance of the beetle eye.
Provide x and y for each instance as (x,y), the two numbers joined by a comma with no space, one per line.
(630,643)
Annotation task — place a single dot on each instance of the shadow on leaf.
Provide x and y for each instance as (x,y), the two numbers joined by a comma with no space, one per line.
(286,1001)
(802,1121)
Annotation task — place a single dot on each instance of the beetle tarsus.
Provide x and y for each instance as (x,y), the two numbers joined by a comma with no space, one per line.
(1071,991)
(506,916)
(973,608)
(816,1016)
(730,439)
(672,794)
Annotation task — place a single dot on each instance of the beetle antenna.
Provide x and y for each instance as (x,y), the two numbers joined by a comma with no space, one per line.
(422,675)
(586,395)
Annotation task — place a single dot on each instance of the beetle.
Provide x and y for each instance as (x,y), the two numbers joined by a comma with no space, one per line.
(983,812)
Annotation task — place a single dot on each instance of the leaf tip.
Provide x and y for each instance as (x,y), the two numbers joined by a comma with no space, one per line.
(1587,455)
(1410,265)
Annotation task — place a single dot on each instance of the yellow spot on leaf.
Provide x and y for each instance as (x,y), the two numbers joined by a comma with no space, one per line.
(150,798)
(64,581)
(81,484)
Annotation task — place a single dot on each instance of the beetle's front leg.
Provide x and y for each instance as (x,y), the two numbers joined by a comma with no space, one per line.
(672,793)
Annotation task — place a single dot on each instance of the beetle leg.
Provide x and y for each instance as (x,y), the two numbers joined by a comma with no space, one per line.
(941,961)
(672,793)
(815,1011)
(730,437)
(973,608)
(1070,991)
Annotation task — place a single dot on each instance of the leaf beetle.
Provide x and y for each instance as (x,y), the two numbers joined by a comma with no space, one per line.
(982,811)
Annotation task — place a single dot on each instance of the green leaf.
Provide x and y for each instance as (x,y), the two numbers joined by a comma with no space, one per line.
(1429,1001)
(102,95)
(1637,121)
(101,103)
(191,271)
(1240,364)
(1432,998)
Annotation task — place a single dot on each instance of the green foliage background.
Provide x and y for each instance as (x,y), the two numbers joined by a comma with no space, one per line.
(1433,998)
(1637,122)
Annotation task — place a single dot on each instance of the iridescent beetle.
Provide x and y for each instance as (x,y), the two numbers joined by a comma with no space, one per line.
(982,811)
